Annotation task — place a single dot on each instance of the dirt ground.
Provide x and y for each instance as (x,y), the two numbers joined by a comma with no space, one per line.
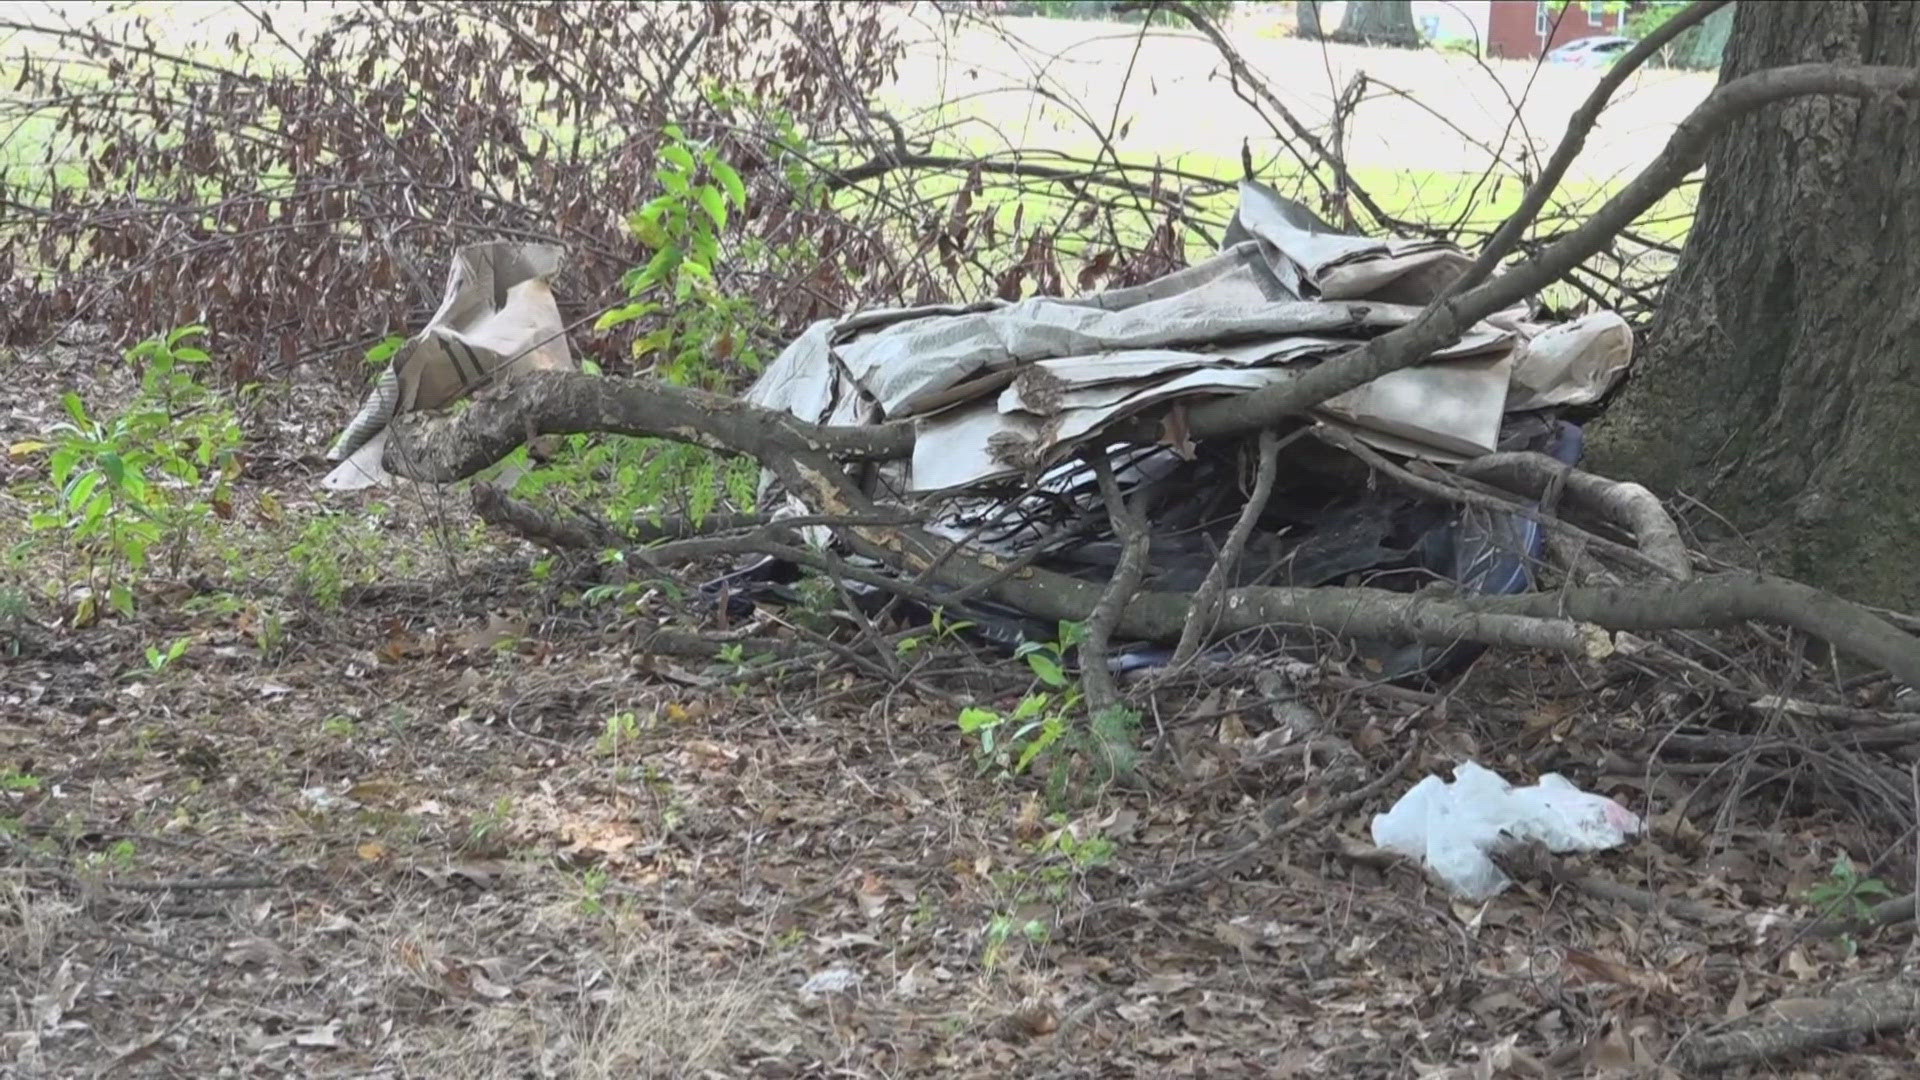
(409,806)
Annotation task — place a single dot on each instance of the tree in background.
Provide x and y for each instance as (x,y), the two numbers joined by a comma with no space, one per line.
(1307,19)
(1780,381)
(1378,22)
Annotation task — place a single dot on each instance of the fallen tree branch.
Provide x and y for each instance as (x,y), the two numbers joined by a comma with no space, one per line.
(1628,505)
(1869,719)
(442,448)
(553,531)
(1794,1026)
(1131,527)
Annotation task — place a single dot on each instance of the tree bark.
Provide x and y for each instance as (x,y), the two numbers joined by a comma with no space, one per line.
(1780,381)
(1379,22)
(1307,15)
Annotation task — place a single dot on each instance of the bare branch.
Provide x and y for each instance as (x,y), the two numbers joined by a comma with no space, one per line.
(1628,505)
(1206,599)
(1245,73)
(1131,527)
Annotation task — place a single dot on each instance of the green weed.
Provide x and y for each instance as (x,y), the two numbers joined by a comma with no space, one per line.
(139,487)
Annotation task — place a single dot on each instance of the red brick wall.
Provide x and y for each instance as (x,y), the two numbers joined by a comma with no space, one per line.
(1513,26)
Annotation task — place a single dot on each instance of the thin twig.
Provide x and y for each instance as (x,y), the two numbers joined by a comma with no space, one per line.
(1242,71)
(1131,526)
(1206,599)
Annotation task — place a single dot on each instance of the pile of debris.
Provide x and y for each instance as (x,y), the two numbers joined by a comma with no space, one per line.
(1008,399)
(1012,403)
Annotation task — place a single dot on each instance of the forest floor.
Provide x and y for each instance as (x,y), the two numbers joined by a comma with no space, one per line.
(408,803)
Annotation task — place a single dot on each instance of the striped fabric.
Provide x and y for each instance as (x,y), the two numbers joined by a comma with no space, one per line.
(380,406)
(498,316)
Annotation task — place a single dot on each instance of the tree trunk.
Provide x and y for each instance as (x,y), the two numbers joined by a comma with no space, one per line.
(1307,16)
(1780,382)
(1379,22)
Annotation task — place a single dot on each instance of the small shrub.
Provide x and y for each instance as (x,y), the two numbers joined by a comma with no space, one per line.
(136,489)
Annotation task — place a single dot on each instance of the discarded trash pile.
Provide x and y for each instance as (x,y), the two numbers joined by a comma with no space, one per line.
(1007,399)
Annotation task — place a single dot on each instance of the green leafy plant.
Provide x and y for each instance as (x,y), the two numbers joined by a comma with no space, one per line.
(1042,721)
(1848,894)
(16,615)
(144,483)
(334,550)
(621,727)
(1846,891)
(158,661)
(120,855)
(16,781)
(490,824)
(1081,853)
(1048,659)
(938,630)
(695,334)
(593,891)
(734,655)
(1011,742)
(1006,930)
(682,226)
(1113,741)
(270,634)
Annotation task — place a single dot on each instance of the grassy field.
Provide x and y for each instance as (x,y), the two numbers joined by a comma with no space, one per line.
(1427,128)
(1165,94)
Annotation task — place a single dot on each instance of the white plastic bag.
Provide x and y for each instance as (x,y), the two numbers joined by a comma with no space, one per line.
(1454,828)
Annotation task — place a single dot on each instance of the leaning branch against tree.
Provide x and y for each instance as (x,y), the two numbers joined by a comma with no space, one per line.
(1442,323)
(807,458)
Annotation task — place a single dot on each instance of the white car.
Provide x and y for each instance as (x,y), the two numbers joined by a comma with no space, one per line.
(1591,52)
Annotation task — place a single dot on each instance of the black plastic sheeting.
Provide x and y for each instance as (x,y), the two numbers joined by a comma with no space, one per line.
(1328,522)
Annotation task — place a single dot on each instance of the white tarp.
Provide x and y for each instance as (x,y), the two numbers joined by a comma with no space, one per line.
(998,389)
(1572,363)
